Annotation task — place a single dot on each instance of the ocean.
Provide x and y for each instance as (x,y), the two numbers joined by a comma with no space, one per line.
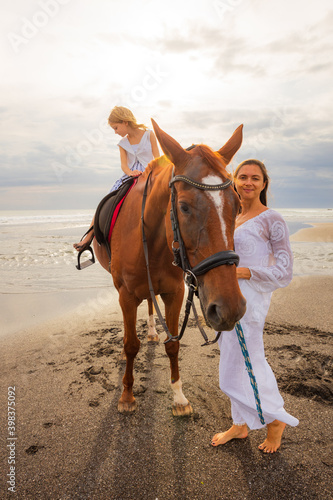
(37,252)
(37,259)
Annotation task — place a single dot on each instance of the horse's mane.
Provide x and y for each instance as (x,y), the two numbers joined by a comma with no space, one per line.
(213,158)
(160,161)
(205,152)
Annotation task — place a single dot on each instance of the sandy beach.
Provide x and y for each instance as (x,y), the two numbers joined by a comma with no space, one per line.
(72,442)
(319,232)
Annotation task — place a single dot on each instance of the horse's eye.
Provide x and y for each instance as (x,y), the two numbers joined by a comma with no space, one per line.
(184,208)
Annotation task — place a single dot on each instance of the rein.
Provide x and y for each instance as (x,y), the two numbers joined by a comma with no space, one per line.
(226,257)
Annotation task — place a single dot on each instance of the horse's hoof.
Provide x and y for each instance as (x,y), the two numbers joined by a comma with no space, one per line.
(126,407)
(182,410)
(153,338)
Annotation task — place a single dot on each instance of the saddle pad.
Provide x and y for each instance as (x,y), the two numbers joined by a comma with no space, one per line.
(108,211)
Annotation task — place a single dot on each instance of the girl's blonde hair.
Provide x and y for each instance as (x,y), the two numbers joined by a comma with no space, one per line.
(120,114)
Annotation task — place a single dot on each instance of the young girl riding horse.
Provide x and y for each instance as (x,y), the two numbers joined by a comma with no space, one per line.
(138,147)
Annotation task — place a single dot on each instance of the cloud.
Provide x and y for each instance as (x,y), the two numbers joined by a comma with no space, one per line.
(266,65)
(234,53)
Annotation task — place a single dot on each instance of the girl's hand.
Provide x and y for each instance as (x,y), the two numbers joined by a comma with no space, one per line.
(134,173)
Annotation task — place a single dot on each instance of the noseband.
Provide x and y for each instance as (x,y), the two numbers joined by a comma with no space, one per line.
(226,257)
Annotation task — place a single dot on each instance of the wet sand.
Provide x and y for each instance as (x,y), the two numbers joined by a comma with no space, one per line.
(322,231)
(72,442)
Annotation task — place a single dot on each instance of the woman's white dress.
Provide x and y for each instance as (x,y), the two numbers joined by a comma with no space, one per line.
(262,244)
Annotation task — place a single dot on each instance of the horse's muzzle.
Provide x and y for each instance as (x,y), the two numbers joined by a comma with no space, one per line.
(222,315)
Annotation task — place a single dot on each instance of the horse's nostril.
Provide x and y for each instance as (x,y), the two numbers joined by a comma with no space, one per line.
(213,314)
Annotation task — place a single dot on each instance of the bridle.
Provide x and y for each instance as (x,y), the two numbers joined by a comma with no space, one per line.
(226,257)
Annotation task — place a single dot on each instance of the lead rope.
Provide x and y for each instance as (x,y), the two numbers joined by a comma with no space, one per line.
(242,343)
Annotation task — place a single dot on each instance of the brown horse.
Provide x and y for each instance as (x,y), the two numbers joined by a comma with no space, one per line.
(206,221)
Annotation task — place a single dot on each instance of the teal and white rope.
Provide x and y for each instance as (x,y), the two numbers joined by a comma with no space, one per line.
(242,343)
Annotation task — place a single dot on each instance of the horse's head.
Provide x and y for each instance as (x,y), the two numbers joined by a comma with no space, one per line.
(206,219)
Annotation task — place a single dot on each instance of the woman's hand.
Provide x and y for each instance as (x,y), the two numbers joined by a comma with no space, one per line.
(134,173)
(243,273)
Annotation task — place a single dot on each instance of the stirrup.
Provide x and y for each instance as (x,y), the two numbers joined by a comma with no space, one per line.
(88,262)
(86,247)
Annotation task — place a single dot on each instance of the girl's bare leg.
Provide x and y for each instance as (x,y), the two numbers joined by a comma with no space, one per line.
(87,239)
(235,432)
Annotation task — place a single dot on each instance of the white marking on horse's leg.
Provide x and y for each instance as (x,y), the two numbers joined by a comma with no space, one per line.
(178,396)
(218,202)
(152,333)
(151,325)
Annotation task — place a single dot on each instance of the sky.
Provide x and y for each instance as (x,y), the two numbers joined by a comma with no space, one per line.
(200,68)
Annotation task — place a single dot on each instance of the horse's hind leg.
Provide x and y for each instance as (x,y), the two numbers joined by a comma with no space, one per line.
(129,306)
(152,333)
(181,406)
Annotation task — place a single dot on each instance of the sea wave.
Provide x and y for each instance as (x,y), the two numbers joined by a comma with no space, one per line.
(307,214)
(69,217)
(74,217)
(36,250)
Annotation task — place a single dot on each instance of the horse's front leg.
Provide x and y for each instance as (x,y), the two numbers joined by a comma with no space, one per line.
(129,306)
(181,406)
(152,333)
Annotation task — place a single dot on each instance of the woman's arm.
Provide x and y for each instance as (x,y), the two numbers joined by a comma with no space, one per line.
(243,273)
(279,274)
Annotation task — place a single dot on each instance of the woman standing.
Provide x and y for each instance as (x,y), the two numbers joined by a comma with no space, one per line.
(262,243)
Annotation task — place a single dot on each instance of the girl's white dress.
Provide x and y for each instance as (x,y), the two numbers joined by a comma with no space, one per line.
(262,244)
(138,156)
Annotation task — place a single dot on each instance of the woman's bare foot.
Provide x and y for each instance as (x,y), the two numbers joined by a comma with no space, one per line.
(274,435)
(235,432)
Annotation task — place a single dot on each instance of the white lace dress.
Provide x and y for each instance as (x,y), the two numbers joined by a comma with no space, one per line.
(262,244)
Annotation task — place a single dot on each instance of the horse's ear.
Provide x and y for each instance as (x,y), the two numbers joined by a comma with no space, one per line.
(171,148)
(232,146)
